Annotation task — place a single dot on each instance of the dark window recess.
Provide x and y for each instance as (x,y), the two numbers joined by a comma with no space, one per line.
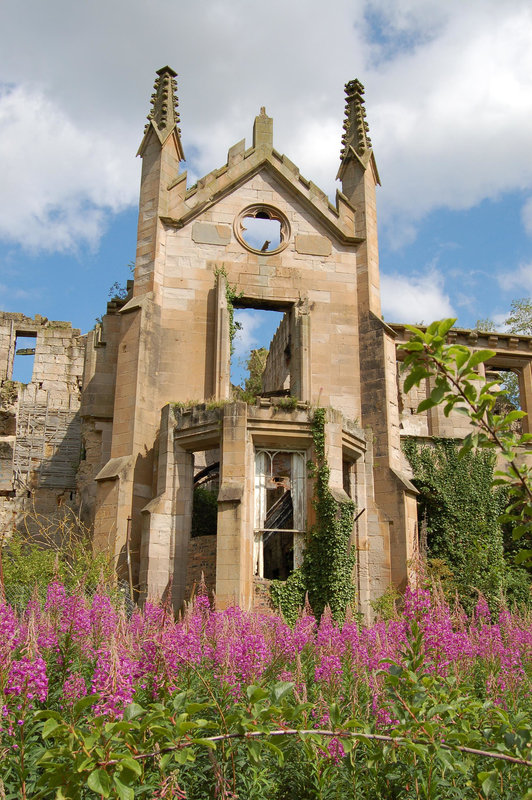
(205,497)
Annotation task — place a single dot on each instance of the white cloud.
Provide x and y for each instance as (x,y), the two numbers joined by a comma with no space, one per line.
(519,281)
(246,338)
(448,114)
(449,99)
(416,299)
(59,181)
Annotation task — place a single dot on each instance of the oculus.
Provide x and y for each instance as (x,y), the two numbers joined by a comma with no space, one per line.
(262,228)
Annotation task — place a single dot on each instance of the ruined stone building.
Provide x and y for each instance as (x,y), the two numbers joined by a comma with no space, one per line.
(126,419)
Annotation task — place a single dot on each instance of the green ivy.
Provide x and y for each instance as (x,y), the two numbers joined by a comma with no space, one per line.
(288,596)
(231,295)
(459,507)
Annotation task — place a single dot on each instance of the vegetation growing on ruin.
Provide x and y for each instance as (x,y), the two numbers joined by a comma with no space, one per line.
(41,550)
(204,512)
(458,512)
(328,561)
(231,294)
(457,386)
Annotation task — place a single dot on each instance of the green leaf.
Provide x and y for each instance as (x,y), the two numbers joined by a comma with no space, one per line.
(85,703)
(415,376)
(133,766)
(445,326)
(513,415)
(45,714)
(276,750)
(523,557)
(205,743)
(425,404)
(479,356)
(488,781)
(49,726)
(281,689)
(193,708)
(100,782)
(255,693)
(124,792)
(133,710)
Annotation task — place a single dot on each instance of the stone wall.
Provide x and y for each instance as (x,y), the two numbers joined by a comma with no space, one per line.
(201,562)
(40,424)
(276,375)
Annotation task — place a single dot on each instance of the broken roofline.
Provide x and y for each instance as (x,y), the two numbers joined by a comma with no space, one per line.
(215,185)
(186,203)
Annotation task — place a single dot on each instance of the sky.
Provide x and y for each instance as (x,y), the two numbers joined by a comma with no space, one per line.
(449,105)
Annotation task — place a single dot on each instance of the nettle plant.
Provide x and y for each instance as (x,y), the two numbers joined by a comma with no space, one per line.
(457,386)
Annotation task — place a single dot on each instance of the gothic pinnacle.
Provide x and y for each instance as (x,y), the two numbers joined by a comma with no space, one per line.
(164,113)
(356,128)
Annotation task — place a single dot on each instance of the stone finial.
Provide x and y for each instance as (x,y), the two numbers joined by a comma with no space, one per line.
(263,130)
(164,113)
(356,128)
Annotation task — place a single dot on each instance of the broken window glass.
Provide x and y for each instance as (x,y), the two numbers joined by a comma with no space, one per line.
(279,512)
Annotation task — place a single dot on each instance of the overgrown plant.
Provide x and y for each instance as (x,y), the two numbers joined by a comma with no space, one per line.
(41,549)
(458,386)
(328,561)
(329,558)
(459,509)
(231,295)
(95,704)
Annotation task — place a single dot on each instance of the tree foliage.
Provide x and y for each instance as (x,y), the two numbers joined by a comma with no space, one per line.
(458,387)
(519,319)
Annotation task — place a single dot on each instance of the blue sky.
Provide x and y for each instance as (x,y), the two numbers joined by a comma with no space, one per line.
(449,102)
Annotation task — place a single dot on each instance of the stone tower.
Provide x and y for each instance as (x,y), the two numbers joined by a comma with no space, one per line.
(168,352)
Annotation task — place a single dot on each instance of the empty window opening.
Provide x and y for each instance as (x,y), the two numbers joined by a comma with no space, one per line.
(507,379)
(262,229)
(279,512)
(261,232)
(261,361)
(205,497)
(24,357)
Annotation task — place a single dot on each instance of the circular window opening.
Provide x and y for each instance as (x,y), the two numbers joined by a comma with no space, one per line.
(262,229)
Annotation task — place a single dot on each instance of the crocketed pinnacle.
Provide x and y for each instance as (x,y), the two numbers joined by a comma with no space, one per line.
(355,126)
(164,113)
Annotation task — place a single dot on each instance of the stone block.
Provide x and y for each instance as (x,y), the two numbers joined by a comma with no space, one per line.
(313,245)
(211,233)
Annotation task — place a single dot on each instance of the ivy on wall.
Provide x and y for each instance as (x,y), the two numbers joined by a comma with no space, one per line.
(231,295)
(328,561)
(460,508)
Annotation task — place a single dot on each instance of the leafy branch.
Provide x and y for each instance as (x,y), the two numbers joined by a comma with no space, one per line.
(458,386)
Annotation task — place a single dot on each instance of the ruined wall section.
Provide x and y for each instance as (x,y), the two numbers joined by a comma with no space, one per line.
(99,383)
(40,427)
(276,375)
